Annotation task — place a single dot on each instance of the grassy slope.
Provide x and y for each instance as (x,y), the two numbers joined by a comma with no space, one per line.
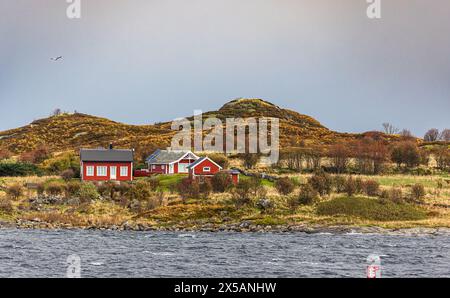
(72,131)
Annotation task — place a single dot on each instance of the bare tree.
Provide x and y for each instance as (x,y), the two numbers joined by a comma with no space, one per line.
(432,135)
(57,112)
(390,129)
(445,135)
(406,133)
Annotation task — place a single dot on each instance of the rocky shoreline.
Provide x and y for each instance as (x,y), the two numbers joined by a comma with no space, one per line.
(242,227)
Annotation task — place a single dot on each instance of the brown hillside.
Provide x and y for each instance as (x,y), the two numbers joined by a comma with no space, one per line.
(72,131)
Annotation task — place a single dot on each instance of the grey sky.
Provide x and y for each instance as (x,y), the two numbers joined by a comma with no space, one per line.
(144,61)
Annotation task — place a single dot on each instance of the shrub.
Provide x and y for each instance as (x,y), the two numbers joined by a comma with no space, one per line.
(370,209)
(156,200)
(371,187)
(308,195)
(359,183)
(6,206)
(321,182)
(221,182)
(284,186)
(35,156)
(72,188)
(293,203)
(15,191)
(5,154)
(67,174)
(54,188)
(205,189)
(140,191)
(395,195)
(188,188)
(87,193)
(350,186)
(339,183)
(40,189)
(153,182)
(241,194)
(18,169)
(62,162)
(418,193)
(256,187)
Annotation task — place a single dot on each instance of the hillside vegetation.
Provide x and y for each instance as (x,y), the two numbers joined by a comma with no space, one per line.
(72,131)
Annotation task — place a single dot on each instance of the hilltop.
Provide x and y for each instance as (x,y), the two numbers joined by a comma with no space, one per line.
(72,131)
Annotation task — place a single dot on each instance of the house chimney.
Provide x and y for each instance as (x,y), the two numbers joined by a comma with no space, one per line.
(111,146)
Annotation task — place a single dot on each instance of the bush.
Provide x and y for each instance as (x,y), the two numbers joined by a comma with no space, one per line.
(5,154)
(221,182)
(350,186)
(394,194)
(241,194)
(14,191)
(153,182)
(67,174)
(6,206)
(321,182)
(339,183)
(308,195)
(87,193)
(63,162)
(140,191)
(156,200)
(418,193)
(205,189)
(371,188)
(188,188)
(54,188)
(40,189)
(284,186)
(370,209)
(72,188)
(18,169)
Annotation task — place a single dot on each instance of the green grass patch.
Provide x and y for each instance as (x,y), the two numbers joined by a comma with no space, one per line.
(370,209)
(167,182)
(264,182)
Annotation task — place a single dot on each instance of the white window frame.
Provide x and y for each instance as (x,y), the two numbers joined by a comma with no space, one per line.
(90,171)
(123,171)
(153,167)
(163,167)
(102,171)
(206,169)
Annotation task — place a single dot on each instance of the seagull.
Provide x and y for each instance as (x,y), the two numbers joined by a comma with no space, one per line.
(56,59)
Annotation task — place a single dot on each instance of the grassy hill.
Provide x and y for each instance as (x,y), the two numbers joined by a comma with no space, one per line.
(72,131)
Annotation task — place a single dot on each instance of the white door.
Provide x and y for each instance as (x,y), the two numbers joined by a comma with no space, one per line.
(113,174)
(171,169)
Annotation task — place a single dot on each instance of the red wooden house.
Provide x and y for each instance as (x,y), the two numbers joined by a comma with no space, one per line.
(106,164)
(206,168)
(170,162)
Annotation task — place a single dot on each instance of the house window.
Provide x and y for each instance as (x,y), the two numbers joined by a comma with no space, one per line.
(124,171)
(90,171)
(153,167)
(102,171)
(206,169)
(163,167)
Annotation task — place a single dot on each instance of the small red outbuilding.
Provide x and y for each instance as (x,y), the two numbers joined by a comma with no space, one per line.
(106,164)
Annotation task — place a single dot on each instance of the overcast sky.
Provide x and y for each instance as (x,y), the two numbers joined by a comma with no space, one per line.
(144,61)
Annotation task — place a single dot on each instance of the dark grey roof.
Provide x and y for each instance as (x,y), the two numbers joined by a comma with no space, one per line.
(119,155)
(165,156)
(196,162)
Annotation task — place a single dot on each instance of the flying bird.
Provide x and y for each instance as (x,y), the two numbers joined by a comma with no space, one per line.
(57,58)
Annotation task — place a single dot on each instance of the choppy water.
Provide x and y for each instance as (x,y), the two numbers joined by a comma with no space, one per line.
(41,253)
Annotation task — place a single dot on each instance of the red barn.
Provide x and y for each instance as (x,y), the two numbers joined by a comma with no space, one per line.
(170,162)
(204,167)
(106,164)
